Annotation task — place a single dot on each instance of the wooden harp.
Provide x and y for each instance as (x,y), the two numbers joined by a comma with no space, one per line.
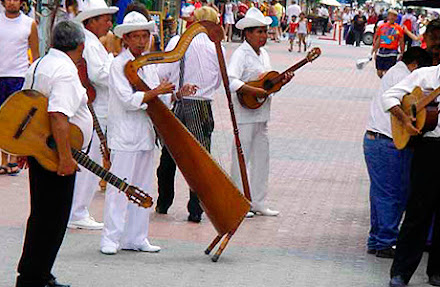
(223,203)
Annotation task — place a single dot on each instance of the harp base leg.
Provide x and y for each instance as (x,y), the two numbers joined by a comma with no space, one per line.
(222,246)
(213,244)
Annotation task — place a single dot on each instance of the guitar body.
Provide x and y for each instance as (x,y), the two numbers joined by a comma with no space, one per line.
(400,135)
(36,136)
(250,101)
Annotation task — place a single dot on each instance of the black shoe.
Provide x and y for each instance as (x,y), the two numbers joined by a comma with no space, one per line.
(194,218)
(160,210)
(386,253)
(371,251)
(434,280)
(54,283)
(397,281)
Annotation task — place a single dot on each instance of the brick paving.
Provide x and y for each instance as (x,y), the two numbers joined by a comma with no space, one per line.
(318,181)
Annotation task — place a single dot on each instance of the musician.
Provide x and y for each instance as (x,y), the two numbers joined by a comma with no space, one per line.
(55,76)
(131,138)
(247,63)
(97,20)
(199,67)
(424,196)
(388,167)
(18,34)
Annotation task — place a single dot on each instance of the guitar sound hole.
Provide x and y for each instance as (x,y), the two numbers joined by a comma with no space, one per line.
(51,142)
(267,85)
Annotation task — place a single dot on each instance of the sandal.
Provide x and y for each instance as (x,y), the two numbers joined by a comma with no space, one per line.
(13,171)
(3,170)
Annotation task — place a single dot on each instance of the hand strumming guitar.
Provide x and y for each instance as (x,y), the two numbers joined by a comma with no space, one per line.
(406,120)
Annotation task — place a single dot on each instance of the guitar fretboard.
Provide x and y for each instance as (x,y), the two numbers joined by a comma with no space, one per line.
(96,126)
(85,161)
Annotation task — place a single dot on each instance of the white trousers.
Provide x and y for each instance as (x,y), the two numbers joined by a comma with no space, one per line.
(255,144)
(125,223)
(86,184)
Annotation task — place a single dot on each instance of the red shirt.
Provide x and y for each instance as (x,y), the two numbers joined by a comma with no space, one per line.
(389,35)
(292,27)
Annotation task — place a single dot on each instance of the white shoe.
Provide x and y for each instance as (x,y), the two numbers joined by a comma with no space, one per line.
(266,212)
(147,247)
(108,250)
(250,214)
(86,223)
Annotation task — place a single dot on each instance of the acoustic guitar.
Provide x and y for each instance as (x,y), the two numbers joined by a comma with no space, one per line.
(272,82)
(422,109)
(26,131)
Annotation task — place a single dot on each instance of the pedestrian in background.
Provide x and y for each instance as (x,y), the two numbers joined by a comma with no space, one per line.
(291,28)
(389,40)
(359,22)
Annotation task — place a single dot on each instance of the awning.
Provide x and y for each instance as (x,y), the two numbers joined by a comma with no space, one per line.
(331,2)
(426,3)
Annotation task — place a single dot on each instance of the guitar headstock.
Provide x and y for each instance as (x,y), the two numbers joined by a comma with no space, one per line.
(138,196)
(313,54)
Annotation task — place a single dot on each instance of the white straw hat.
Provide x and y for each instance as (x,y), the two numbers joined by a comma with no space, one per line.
(93,8)
(253,18)
(134,21)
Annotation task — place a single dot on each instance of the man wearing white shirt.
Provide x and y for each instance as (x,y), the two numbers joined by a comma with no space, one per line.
(292,9)
(131,138)
(97,20)
(388,167)
(424,198)
(199,67)
(247,63)
(56,77)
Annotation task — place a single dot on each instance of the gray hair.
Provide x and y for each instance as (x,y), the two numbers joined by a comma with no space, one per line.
(67,36)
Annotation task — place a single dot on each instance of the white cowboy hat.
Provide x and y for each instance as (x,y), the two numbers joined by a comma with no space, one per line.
(93,8)
(253,18)
(134,21)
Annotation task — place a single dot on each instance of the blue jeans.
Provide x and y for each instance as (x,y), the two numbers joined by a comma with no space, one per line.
(8,86)
(389,171)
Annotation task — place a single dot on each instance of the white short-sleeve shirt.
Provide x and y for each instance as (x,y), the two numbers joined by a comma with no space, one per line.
(56,77)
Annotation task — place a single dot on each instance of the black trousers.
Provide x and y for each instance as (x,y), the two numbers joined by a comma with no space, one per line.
(358,37)
(423,202)
(51,200)
(197,116)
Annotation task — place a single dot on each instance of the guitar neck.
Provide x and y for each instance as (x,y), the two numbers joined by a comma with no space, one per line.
(86,162)
(97,127)
(428,99)
(295,67)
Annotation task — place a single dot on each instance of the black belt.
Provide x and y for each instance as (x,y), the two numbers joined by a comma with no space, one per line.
(377,135)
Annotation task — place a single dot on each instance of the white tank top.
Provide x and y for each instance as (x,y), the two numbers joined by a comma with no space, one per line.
(14,44)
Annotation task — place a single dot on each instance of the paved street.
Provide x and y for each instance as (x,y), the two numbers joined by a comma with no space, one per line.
(318,182)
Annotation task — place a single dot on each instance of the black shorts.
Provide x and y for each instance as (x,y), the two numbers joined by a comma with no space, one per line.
(385,63)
